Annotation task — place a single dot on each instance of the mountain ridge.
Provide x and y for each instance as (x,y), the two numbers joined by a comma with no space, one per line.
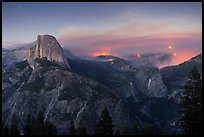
(132,95)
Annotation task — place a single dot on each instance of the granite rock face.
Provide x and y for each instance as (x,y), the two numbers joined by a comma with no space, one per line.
(47,47)
(11,57)
(62,96)
(149,81)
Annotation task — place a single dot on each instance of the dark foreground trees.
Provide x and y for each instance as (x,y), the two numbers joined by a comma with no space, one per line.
(13,129)
(39,126)
(81,129)
(14,126)
(105,125)
(151,131)
(147,130)
(191,105)
(72,129)
(33,126)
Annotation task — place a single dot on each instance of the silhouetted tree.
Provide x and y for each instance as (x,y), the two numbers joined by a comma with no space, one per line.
(14,126)
(28,125)
(72,129)
(40,117)
(117,132)
(49,128)
(39,127)
(191,105)
(5,130)
(81,128)
(150,131)
(105,125)
(135,129)
(126,131)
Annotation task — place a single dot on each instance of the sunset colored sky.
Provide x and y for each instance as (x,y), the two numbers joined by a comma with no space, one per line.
(108,28)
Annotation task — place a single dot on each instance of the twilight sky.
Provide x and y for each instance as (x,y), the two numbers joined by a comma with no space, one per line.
(108,28)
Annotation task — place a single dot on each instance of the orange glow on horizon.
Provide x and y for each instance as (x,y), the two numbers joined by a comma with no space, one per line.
(100,53)
(103,50)
(182,57)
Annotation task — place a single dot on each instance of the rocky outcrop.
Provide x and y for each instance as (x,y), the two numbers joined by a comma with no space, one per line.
(149,81)
(47,47)
(11,57)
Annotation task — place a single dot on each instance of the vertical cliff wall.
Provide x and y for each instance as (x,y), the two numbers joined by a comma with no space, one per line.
(47,47)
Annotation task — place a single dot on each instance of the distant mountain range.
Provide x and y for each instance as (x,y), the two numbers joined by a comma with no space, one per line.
(44,77)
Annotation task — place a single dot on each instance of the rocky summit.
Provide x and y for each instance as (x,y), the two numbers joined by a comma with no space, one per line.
(47,47)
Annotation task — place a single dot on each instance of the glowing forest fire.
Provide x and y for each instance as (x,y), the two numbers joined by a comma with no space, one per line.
(100,53)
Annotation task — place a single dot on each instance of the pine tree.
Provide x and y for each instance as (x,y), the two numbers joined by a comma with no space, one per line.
(191,105)
(5,130)
(49,128)
(151,131)
(40,117)
(105,126)
(126,131)
(81,128)
(40,124)
(117,132)
(72,129)
(14,126)
(28,125)
(135,129)
(33,126)
(39,127)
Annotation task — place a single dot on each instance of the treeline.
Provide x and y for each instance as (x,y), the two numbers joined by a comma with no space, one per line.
(33,126)
(104,127)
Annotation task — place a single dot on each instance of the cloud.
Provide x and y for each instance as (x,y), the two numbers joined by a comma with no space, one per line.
(143,37)
(151,59)
(140,36)
(16,44)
